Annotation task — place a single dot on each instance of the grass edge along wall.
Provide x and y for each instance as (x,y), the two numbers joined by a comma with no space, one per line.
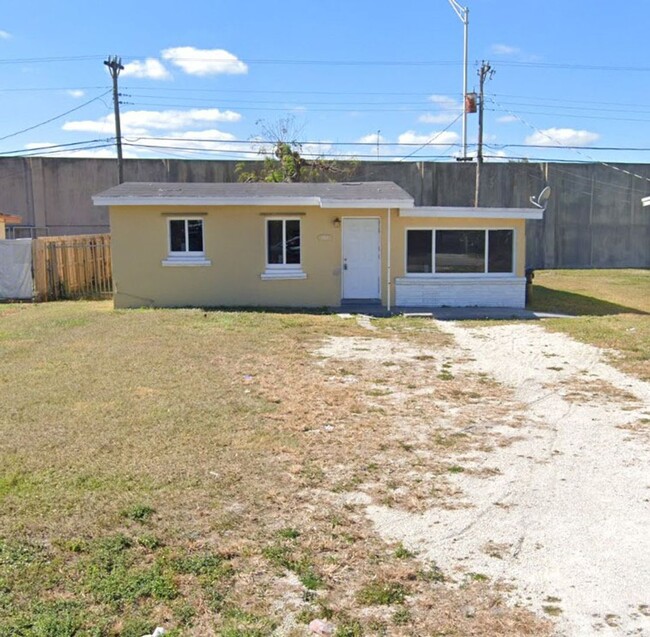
(218,254)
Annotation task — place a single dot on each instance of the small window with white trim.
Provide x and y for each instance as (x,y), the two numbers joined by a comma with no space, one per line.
(460,251)
(283,248)
(185,241)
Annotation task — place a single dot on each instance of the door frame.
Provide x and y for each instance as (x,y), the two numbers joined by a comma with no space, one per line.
(379,252)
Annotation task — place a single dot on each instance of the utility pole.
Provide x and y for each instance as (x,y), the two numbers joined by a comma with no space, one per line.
(114,65)
(463,14)
(485,72)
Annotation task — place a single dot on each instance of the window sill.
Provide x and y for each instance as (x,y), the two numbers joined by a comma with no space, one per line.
(272,275)
(423,279)
(186,261)
(459,275)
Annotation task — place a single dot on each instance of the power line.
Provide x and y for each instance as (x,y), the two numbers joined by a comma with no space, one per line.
(284,109)
(433,139)
(429,105)
(555,141)
(47,121)
(380,143)
(572,66)
(108,140)
(49,88)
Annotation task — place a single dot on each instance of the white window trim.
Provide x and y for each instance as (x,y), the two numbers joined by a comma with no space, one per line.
(461,275)
(277,271)
(185,258)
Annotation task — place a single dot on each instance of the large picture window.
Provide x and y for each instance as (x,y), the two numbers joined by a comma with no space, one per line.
(459,251)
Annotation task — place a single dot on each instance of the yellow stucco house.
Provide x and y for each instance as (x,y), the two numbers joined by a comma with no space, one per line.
(7,219)
(309,245)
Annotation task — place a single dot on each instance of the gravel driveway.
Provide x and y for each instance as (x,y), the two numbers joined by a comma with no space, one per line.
(564,518)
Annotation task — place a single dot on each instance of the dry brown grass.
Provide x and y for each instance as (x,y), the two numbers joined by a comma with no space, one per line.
(612,309)
(222,448)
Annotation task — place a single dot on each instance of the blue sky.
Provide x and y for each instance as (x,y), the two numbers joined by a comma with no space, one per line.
(201,75)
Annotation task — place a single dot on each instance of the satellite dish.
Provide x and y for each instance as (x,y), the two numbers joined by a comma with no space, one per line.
(542,199)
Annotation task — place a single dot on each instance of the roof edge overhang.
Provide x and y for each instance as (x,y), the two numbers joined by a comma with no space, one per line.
(252,201)
(451,212)
(10,218)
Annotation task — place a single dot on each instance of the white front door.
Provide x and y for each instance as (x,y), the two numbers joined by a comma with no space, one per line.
(361,258)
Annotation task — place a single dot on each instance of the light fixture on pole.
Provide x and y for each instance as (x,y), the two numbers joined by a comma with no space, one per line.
(463,14)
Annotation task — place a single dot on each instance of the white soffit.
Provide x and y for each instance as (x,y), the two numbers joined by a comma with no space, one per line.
(442,212)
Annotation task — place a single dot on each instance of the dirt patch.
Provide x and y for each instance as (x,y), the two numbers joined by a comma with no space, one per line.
(563,515)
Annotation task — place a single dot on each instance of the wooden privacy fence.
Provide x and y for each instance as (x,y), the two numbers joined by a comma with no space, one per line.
(72,267)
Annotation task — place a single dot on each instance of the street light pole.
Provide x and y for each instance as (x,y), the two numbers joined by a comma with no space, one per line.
(463,14)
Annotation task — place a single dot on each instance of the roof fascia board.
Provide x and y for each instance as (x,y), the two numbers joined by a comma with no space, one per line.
(442,212)
(206,201)
(10,219)
(250,201)
(367,203)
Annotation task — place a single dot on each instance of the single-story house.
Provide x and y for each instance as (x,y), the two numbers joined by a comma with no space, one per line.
(7,219)
(309,245)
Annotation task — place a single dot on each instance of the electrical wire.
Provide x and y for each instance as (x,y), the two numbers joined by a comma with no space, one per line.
(433,139)
(52,119)
(555,141)
(110,140)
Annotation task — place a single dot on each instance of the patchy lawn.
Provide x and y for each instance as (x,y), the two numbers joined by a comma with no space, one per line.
(201,470)
(613,307)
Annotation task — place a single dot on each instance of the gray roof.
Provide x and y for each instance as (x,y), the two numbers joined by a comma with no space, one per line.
(362,194)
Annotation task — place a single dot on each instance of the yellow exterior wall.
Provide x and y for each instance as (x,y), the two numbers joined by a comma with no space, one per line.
(2,229)
(234,241)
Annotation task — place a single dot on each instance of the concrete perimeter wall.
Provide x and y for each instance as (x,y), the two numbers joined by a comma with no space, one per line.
(594,219)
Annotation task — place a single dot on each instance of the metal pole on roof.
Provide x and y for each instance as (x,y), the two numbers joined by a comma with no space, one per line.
(463,14)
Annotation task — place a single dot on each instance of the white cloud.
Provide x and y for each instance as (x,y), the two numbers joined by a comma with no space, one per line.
(562,137)
(76,93)
(437,118)
(206,140)
(98,153)
(205,61)
(507,119)
(186,143)
(5,35)
(449,110)
(33,145)
(317,149)
(504,49)
(445,101)
(372,138)
(444,138)
(150,68)
(142,122)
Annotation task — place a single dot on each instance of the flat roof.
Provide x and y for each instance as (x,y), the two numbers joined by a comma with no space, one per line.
(369,194)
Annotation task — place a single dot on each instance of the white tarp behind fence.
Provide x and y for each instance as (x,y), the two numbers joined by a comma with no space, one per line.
(16,280)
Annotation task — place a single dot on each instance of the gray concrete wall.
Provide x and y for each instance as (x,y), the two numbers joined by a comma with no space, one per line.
(594,218)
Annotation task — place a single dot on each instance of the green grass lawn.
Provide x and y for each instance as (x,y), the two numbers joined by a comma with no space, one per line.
(612,309)
(187,469)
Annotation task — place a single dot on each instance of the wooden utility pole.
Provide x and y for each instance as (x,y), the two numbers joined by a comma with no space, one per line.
(114,65)
(485,72)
